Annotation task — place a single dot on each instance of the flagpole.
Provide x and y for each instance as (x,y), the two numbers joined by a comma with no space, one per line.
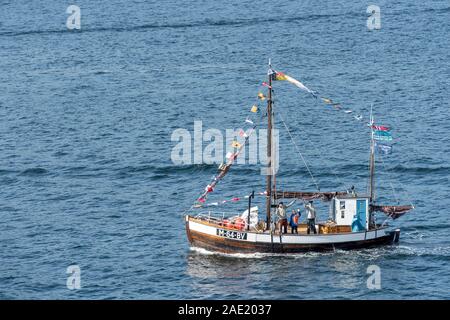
(269,152)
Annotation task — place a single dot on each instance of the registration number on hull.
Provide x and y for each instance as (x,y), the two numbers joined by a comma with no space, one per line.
(231,234)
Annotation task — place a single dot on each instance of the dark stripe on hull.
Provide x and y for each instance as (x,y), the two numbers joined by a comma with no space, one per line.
(224,245)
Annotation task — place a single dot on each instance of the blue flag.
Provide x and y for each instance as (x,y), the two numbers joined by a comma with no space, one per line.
(382,135)
(383,148)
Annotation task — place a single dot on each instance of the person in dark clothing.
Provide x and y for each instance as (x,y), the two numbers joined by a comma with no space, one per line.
(293,221)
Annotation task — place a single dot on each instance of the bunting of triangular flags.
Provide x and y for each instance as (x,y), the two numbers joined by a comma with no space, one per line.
(232,156)
(280,76)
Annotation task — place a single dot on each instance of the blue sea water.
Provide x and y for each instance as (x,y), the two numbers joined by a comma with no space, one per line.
(86,118)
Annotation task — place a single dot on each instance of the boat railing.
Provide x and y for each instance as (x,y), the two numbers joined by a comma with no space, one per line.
(210,216)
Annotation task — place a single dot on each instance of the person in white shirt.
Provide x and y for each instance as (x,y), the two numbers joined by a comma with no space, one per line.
(311,217)
(282,218)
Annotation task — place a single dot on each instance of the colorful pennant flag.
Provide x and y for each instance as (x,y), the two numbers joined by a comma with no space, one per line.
(296,83)
(230,156)
(254,109)
(280,76)
(236,144)
(261,96)
(380,128)
(383,148)
(330,102)
(382,135)
(382,138)
(326,100)
(243,134)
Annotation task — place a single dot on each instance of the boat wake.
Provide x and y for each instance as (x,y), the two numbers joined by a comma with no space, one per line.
(422,251)
(259,255)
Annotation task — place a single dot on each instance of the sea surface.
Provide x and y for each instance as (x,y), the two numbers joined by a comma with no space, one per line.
(86,119)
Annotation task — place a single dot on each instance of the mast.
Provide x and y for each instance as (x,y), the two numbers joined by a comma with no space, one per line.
(372,161)
(269,151)
(371,169)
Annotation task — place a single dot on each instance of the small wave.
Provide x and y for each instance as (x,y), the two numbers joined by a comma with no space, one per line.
(159,177)
(181,25)
(353,167)
(442,10)
(99,72)
(5,171)
(60,154)
(34,172)
(402,169)
(427,227)
(165,169)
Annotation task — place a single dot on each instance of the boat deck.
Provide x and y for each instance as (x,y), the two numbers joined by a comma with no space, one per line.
(302,229)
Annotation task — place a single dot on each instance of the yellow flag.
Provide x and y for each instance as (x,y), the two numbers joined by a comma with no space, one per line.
(280,76)
(261,96)
(254,108)
(235,144)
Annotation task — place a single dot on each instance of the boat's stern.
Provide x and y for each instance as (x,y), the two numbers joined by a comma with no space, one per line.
(396,236)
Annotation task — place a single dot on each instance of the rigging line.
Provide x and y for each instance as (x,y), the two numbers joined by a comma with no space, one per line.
(341,182)
(299,152)
(402,185)
(333,171)
(408,162)
(394,193)
(390,181)
(187,210)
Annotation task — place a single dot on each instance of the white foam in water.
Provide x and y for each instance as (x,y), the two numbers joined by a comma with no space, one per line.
(259,255)
(415,251)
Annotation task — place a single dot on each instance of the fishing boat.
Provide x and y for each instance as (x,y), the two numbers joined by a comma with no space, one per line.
(351,224)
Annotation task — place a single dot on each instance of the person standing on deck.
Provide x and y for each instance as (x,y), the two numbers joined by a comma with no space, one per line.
(293,221)
(282,218)
(311,217)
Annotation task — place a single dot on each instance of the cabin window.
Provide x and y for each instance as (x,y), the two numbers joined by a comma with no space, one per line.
(342,214)
(342,205)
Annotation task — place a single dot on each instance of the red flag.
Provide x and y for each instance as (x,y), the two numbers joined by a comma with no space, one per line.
(380,128)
